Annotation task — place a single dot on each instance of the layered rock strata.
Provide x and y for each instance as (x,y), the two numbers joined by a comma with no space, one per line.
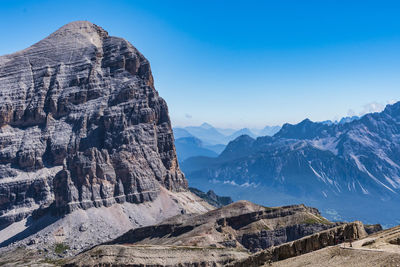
(241,225)
(156,256)
(81,125)
(346,232)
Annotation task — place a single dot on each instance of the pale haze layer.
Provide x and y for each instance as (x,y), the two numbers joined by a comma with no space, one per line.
(243,63)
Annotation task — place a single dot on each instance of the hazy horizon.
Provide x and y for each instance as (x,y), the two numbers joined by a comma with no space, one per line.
(368,108)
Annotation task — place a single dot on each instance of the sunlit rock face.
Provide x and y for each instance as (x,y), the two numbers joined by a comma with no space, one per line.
(81,126)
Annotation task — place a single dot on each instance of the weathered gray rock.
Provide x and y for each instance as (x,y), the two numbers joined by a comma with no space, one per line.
(81,125)
(268,238)
(155,256)
(240,225)
(373,228)
(346,232)
(212,198)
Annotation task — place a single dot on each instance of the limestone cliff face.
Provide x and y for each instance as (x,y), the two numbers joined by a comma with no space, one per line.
(346,232)
(81,125)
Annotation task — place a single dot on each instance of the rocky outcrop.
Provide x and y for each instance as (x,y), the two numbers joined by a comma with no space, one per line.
(268,238)
(346,232)
(155,256)
(372,228)
(314,250)
(81,125)
(241,225)
(84,229)
(212,198)
(220,232)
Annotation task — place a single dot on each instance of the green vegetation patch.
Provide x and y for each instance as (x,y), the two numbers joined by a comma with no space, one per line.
(317,220)
(270,208)
(323,220)
(60,248)
(56,262)
(266,228)
(311,221)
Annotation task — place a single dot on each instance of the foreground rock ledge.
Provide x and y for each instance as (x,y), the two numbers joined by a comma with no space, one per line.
(120,255)
(166,255)
(351,231)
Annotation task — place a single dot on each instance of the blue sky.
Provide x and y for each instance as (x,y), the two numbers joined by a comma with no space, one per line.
(242,63)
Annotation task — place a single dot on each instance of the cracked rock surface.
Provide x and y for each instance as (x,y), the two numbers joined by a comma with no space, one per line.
(81,126)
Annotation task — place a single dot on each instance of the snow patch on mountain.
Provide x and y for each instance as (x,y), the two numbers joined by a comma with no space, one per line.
(362,168)
(329,143)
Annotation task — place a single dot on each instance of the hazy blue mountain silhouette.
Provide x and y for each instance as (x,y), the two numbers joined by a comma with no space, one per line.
(244,131)
(355,162)
(187,147)
(220,137)
(181,133)
(268,131)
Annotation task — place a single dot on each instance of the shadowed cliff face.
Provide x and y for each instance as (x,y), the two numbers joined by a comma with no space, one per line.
(81,125)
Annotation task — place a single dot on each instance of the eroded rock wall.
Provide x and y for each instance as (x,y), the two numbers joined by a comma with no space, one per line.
(81,125)
(346,232)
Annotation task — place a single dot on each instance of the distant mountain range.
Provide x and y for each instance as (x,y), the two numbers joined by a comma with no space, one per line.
(341,121)
(267,130)
(187,147)
(349,168)
(211,135)
(206,140)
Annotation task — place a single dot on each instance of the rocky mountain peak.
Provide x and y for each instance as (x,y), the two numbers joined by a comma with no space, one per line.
(206,125)
(82,125)
(243,144)
(393,110)
(84,29)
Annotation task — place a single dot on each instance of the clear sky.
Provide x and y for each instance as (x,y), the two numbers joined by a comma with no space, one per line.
(242,63)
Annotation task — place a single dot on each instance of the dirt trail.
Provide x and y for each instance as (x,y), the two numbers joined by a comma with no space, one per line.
(379,249)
